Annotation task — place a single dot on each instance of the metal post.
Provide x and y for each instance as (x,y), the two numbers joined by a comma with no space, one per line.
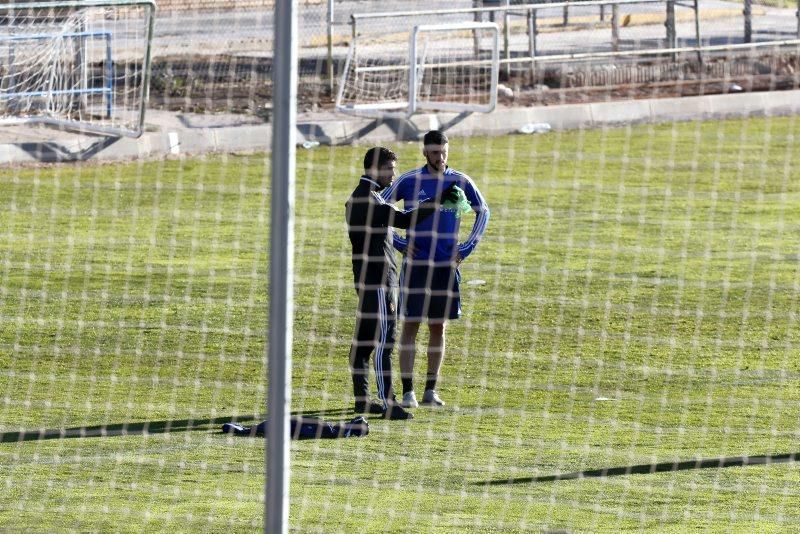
(532,42)
(281,305)
(566,15)
(672,35)
(353,42)
(797,14)
(148,58)
(697,35)
(506,39)
(109,77)
(330,47)
(81,59)
(748,21)
(478,17)
(12,78)
(412,72)
(615,27)
(670,25)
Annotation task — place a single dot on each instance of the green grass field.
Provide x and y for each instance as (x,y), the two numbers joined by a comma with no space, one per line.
(640,307)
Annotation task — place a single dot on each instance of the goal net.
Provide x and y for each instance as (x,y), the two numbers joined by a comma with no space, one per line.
(626,356)
(81,65)
(447,67)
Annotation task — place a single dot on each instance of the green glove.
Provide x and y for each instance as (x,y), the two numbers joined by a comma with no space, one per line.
(455,200)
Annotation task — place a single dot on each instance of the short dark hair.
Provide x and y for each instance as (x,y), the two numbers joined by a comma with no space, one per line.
(377,157)
(435,137)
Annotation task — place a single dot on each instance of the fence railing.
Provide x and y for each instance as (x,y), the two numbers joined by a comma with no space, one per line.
(362,24)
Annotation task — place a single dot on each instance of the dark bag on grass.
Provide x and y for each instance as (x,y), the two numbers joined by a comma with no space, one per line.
(306,428)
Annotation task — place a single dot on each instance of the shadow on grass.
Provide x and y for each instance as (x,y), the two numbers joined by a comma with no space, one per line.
(145,428)
(664,467)
(120,429)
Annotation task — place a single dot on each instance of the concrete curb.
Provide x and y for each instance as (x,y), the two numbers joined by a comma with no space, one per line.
(177,137)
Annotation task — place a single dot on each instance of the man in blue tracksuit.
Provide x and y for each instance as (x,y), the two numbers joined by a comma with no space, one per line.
(429,281)
(369,219)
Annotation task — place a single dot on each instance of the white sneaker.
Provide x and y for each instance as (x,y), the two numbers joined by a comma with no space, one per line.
(431,398)
(409,400)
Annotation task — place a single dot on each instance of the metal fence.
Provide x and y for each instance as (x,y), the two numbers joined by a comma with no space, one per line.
(206,59)
(575,29)
(192,27)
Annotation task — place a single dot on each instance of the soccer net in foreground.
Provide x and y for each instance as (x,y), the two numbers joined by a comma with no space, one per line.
(448,67)
(81,65)
(626,359)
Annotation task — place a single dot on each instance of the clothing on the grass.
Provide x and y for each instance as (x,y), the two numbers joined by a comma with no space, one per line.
(306,428)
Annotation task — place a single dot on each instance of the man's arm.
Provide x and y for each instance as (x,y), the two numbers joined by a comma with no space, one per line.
(481,209)
(388,215)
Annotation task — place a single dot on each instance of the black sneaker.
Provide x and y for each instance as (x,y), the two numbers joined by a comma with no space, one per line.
(397,413)
(371,407)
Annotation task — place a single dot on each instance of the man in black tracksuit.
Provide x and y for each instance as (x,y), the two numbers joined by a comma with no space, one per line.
(369,219)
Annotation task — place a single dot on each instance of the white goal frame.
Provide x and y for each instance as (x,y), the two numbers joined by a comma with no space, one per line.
(417,72)
(107,124)
(415,67)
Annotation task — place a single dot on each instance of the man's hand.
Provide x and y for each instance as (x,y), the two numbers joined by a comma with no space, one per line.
(449,195)
(410,251)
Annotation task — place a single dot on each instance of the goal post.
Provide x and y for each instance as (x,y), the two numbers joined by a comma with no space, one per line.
(77,65)
(447,77)
(446,67)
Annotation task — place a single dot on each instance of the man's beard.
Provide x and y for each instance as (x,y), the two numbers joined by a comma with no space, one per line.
(436,164)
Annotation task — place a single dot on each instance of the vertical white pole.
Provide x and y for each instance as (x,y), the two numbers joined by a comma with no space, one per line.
(412,72)
(281,305)
(330,47)
(506,39)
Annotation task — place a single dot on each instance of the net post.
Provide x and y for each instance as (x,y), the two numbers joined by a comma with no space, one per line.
(506,38)
(281,306)
(495,74)
(330,47)
(109,78)
(412,72)
(148,59)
